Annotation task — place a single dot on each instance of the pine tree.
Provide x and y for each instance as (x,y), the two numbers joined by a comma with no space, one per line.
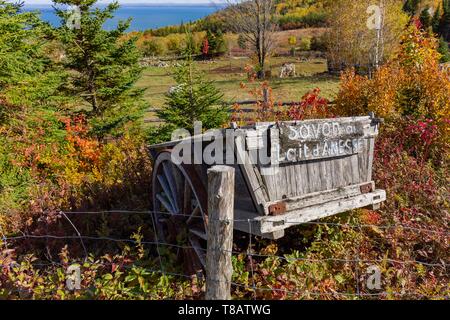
(444,50)
(16,30)
(425,18)
(216,41)
(27,77)
(212,41)
(436,21)
(444,27)
(411,6)
(193,99)
(104,65)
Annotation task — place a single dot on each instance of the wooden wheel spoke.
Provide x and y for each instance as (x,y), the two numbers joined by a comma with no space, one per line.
(163,182)
(201,254)
(171,181)
(165,203)
(179,185)
(187,198)
(199,232)
(197,211)
(177,190)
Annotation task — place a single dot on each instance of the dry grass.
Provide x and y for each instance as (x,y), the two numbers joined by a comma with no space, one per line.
(228,73)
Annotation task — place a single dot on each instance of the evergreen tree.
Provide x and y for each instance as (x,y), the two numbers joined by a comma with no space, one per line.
(444,27)
(104,65)
(425,18)
(444,50)
(216,42)
(411,6)
(27,77)
(17,43)
(193,99)
(221,45)
(436,21)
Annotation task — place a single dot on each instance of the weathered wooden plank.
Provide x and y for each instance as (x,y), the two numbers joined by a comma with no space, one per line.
(317,139)
(251,174)
(355,171)
(303,175)
(362,162)
(370,158)
(297,179)
(319,197)
(271,174)
(325,172)
(312,213)
(245,221)
(337,173)
(285,184)
(347,171)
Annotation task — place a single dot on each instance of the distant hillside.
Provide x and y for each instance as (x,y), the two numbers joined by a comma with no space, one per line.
(289,15)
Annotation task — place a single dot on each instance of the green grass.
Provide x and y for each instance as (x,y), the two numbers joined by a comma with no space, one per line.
(228,73)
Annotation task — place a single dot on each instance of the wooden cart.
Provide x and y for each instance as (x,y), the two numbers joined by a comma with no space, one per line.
(318,168)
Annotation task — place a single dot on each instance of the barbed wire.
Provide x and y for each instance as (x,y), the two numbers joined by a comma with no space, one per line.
(289,222)
(249,252)
(271,289)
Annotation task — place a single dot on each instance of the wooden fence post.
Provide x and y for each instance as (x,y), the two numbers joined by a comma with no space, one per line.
(219,268)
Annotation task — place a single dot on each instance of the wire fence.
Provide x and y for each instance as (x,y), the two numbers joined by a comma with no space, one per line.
(253,258)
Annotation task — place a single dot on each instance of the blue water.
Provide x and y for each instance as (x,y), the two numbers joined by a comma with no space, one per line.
(144,17)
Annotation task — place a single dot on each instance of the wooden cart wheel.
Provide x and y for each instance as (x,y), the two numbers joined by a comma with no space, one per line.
(180,202)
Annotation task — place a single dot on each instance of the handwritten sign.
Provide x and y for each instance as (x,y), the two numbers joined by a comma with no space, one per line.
(317,140)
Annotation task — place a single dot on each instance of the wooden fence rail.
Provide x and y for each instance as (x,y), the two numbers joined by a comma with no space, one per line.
(241,103)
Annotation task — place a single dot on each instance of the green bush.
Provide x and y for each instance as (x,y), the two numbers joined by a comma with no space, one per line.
(175,43)
(318,44)
(153,48)
(305,44)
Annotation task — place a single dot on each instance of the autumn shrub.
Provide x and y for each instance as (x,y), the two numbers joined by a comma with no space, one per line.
(51,163)
(318,44)
(153,48)
(175,43)
(411,85)
(305,44)
(310,106)
(130,274)
(407,239)
(352,36)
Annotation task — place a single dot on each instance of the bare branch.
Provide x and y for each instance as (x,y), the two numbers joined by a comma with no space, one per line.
(253,19)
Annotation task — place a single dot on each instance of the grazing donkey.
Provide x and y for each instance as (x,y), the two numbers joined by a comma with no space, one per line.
(287,70)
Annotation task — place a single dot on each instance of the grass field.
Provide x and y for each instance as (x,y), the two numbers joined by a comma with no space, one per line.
(227,74)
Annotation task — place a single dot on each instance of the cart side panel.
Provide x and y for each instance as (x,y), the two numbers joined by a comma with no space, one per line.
(326,171)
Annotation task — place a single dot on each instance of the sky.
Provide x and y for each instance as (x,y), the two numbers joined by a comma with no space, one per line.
(141,1)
